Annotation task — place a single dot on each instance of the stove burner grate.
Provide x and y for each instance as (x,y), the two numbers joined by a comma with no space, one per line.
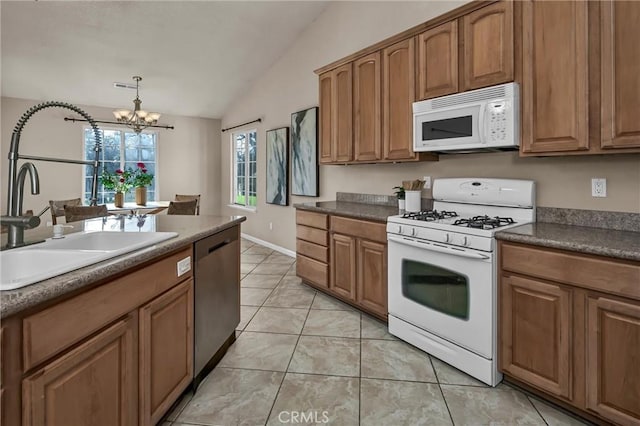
(429,215)
(484,222)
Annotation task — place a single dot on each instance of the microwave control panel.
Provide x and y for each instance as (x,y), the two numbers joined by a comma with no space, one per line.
(497,114)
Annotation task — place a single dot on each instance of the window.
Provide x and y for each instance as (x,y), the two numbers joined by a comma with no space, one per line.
(120,150)
(245,181)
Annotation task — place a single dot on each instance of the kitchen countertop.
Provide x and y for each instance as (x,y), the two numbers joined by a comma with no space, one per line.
(189,229)
(375,212)
(581,239)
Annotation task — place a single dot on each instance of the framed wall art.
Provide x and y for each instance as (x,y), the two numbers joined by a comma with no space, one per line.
(278,166)
(304,153)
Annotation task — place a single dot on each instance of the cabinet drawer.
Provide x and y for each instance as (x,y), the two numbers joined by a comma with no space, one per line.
(312,270)
(86,313)
(315,220)
(360,228)
(312,250)
(598,273)
(313,235)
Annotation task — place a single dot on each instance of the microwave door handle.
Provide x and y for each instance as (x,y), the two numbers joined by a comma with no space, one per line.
(482,123)
(431,247)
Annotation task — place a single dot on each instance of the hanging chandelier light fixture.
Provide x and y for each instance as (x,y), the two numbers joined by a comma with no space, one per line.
(138,119)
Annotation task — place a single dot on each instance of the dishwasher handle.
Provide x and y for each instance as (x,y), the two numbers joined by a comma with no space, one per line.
(219,245)
(208,246)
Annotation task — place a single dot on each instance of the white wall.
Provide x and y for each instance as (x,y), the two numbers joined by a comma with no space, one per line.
(188,156)
(346,27)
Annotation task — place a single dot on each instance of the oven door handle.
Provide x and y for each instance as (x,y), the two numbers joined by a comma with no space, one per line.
(432,247)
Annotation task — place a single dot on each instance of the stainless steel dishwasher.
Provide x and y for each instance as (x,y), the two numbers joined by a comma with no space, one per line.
(217,299)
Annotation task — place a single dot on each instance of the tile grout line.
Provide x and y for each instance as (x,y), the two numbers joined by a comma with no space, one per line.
(290,359)
(360,378)
(536,409)
(441,391)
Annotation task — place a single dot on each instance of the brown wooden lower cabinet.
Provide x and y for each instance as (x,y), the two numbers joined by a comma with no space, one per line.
(166,351)
(343,266)
(570,329)
(353,267)
(536,329)
(372,276)
(613,359)
(94,384)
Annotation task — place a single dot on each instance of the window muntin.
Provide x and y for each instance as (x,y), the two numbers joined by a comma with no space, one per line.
(244,168)
(120,150)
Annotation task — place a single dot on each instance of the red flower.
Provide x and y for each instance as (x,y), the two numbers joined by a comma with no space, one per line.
(140,165)
(144,170)
(122,180)
(119,172)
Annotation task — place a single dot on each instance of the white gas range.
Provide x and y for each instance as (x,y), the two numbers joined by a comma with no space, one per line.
(443,270)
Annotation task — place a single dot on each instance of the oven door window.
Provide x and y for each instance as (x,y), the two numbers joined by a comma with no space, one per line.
(436,288)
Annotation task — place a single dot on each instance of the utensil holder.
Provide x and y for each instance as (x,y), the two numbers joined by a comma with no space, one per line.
(413,200)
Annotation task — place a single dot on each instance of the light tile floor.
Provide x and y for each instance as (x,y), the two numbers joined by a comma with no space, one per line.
(301,352)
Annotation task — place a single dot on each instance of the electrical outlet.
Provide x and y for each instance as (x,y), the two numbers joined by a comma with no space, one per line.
(427,182)
(270,226)
(598,187)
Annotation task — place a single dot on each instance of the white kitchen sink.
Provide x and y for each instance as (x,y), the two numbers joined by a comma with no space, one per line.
(24,266)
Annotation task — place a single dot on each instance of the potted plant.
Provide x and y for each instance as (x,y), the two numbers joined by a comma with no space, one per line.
(118,181)
(140,178)
(399,192)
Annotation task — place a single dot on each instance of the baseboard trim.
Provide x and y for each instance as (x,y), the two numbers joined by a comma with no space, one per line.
(272,246)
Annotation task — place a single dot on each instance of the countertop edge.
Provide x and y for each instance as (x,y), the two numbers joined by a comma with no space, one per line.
(571,246)
(338,212)
(14,302)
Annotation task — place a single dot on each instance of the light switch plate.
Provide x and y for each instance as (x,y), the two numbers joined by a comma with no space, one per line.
(184,266)
(598,187)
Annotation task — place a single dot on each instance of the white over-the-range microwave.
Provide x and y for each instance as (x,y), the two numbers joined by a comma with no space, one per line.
(483,119)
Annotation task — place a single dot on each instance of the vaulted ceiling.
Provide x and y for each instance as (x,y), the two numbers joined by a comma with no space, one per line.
(195,57)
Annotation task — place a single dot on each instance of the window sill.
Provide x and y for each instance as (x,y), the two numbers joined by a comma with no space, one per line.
(239,207)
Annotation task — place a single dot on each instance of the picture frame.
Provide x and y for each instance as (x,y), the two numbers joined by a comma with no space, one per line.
(277,144)
(304,153)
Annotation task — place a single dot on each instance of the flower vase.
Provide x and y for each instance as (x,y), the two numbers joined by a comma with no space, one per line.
(141,195)
(118,200)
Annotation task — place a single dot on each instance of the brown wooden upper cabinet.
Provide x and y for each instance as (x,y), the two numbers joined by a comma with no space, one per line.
(620,74)
(468,53)
(367,104)
(580,77)
(336,115)
(438,61)
(487,46)
(555,77)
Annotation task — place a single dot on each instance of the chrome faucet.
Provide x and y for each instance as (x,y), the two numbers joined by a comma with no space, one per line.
(16,221)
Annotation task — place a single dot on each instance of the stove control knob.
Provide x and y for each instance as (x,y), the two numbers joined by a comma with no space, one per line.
(465,241)
(447,238)
(399,229)
(413,232)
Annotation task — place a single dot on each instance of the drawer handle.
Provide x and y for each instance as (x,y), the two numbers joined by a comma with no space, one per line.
(219,245)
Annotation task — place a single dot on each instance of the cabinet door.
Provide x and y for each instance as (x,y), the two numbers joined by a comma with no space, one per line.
(372,276)
(343,266)
(555,77)
(326,132)
(620,74)
(94,384)
(342,117)
(613,366)
(398,88)
(367,104)
(488,46)
(166,351)
(438,61)
(535,319)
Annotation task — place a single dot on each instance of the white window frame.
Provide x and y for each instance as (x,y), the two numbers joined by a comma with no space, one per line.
(232,198)
(122,152)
